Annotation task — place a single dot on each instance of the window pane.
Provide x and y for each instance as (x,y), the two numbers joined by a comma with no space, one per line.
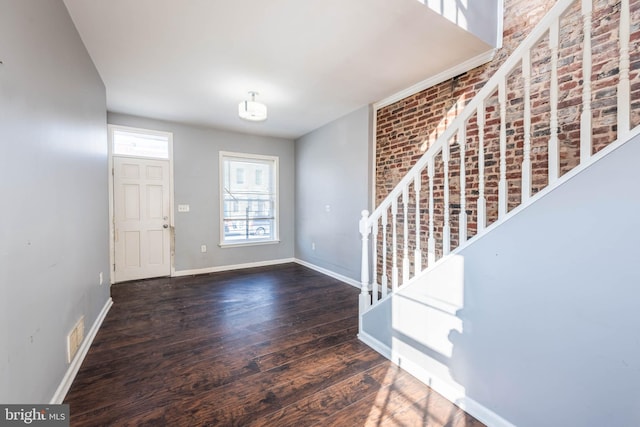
(249,199)
(140,144)
(239,176)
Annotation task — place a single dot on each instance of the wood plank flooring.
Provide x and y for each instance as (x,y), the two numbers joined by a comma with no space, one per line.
(272,346)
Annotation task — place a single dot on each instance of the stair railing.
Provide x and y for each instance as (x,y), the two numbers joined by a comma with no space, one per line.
(483,125)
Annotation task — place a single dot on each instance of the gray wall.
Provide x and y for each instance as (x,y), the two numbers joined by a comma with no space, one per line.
(196,183)
(549,311)
(333,169)
(53,176)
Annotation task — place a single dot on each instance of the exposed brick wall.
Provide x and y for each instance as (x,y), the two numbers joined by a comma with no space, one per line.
(407,128)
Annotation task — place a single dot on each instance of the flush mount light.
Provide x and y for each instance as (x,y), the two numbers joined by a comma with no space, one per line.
(252,110)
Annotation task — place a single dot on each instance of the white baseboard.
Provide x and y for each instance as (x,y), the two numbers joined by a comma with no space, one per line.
(375,344)
(74,366)
(447,390)
(231,267)
(217,269)
(329,273)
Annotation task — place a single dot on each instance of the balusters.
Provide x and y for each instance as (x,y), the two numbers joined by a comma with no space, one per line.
(446,228)
(394,245)
(388,277)
(462,227)
(553,152)
(374,269)
(431,242)
(417,258)
(585,116)
(385,276)
(502,184)
(482,201)
(526,160)
(405,235)
(624,97)
(365,300)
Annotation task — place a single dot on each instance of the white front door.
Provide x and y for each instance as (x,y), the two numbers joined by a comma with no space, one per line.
(142,230)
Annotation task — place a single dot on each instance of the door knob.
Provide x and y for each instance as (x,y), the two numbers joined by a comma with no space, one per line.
(165,225)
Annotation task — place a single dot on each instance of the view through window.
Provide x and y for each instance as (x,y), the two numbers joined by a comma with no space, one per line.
(249,198)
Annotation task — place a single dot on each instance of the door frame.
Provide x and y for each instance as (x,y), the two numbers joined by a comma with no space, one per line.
(112,247)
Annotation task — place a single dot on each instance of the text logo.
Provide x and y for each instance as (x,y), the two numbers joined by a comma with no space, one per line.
(34,415)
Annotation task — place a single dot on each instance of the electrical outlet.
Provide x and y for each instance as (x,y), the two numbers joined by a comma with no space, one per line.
(203,248)
(101,278)
(313,246)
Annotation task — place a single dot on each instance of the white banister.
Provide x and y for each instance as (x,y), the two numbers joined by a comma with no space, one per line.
(624,97)
(385,276)
(482,201)
(431,242)
(394,245)
(405,236)
(526,159)
(446,227)
(374,267)
(502,184)
(553,150)
(417,258)
(365,300)
(462,217)
(385,266)
(585,116)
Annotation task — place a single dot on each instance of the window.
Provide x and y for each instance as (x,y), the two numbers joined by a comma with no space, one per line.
(249,207)
(239,176)
(139,143)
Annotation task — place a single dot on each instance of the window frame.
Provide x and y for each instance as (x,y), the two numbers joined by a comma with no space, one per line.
(113,129)
(275,237)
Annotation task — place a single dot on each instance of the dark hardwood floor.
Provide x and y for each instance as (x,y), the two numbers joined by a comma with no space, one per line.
(273,346)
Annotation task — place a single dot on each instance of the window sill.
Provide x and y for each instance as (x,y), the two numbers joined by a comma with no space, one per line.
(255,243)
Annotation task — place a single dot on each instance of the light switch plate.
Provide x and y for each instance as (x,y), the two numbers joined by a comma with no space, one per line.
(183,208)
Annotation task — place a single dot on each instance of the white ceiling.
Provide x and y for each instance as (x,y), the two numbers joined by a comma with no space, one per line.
(311,61)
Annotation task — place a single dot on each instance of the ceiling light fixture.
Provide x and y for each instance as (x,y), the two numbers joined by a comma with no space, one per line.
(252,110)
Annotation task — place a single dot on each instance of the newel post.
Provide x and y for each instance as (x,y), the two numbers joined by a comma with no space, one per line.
(365,230)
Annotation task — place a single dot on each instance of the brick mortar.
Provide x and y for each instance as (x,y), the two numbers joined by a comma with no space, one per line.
(408,127)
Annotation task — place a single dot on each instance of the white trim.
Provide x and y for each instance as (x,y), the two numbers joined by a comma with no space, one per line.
(375,344)
(112,235)
(248,243)
(463,67)
(217,269)
(74,366)
(329,273)
(172,224)
(449,392)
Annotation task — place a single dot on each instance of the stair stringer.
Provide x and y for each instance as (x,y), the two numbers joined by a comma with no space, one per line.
(533,321)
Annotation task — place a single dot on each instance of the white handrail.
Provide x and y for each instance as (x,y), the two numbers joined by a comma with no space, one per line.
(521,56)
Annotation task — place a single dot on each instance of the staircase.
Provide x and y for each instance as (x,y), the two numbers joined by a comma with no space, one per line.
(494,227)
